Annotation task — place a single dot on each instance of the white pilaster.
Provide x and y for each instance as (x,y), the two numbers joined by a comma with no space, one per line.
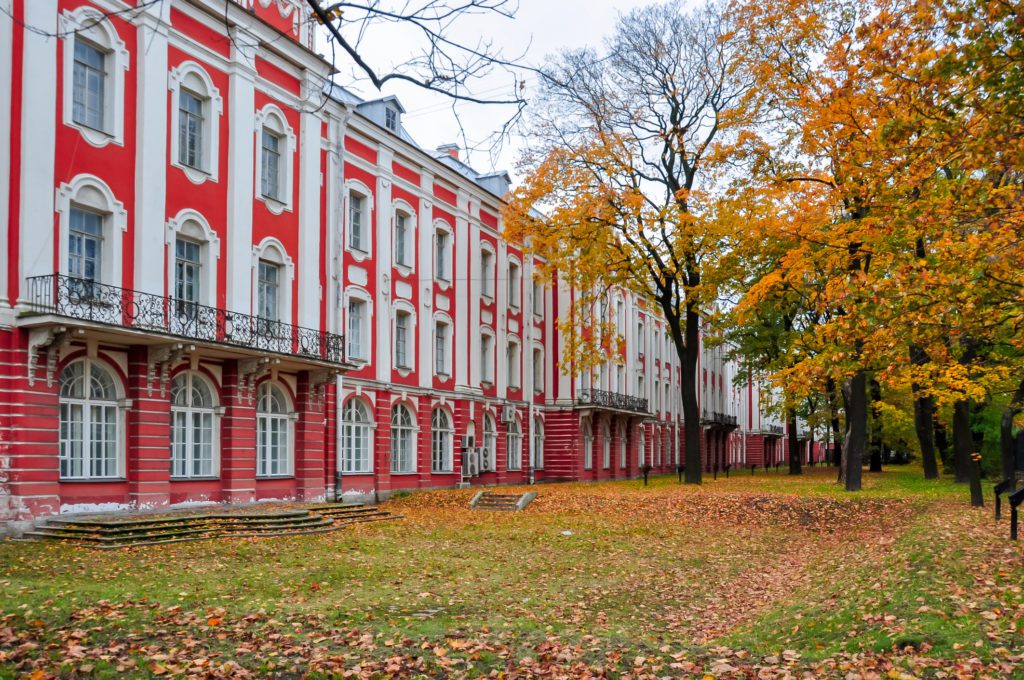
(241,147)
(475,285)
(310,186)
(38,141)
(501,321)
(382,305)
(425,274)
(461,286)
(151,151)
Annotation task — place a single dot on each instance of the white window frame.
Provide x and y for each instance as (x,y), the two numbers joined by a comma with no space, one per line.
(92,26)
(487,269)
(606,446)
(355,188)
(442,443)
(641,453)
(537,357)
(446,321)
(287,420)
(211,121)
(118,404)
(91,193)
(412,431)
(272,250)
(623,444)
(490,442)
(403,209)
(513,363)
(487,340)
(443,255)
(353,432)
(191,410)
(361,296)
(192,225)
(538,299)
(538,443)
(273,119)
(515,282)
(514,445)
(402,308)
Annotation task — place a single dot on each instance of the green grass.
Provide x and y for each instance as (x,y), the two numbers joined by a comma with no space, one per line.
(762,563)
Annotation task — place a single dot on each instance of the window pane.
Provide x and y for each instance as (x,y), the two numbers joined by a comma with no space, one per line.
(88,86)
(271,162)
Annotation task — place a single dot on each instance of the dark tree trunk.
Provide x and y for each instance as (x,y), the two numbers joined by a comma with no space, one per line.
(876,428)
(1007,453)
(963,444)
(691,412)
(924,418)
(794,444)
(855,393)
(942,445)
(837,440)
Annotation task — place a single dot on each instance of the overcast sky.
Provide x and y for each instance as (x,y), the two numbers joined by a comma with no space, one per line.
(541,27)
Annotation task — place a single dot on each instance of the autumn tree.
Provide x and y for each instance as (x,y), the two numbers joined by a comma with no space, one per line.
(622,170)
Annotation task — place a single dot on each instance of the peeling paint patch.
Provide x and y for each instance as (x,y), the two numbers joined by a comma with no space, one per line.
(70,508)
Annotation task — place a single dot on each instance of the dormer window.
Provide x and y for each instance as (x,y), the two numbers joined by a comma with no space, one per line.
(391,119)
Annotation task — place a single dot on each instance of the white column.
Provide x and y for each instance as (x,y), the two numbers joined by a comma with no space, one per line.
(476,275)
(241,131)
(461,287)
(501,321)
(151,150)
(310,185)
(6,81)
(38,141)
(382,304)
(425,274)
(334,185)
(565,381)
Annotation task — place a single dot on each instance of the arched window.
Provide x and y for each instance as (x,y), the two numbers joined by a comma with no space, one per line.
(606,446)
(442,252)
(90,427)
(192,431)
(514,446)
(92,222)
(95,61)
(588,445)
(196,107)
(404,239)
(441,436)
(490,443)
(273,433)
(275,148)
(538,444)
(355,437)
(403,450)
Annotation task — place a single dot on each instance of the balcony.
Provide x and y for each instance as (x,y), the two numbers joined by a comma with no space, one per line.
(99,303)
(775,430)
(611,400)
(720,419)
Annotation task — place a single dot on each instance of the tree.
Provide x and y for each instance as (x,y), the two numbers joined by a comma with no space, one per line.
(624,163)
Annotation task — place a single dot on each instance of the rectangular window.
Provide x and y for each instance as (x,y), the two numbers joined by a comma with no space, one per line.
(538,298)
(401,240)
(268,291)
(441,253)
(640,339)
(186,277)
(441,349)
(355,221)
(356,317)
(402,340)
(487,273)
(391,119)
(485,358)
(89,86)
(85,245)
(190,130)
(270,182)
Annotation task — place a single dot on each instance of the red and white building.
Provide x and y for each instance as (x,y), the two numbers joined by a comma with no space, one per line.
(229,280)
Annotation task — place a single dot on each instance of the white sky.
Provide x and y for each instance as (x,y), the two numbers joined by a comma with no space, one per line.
(541,27)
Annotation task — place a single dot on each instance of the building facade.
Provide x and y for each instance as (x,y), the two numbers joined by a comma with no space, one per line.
(229,280)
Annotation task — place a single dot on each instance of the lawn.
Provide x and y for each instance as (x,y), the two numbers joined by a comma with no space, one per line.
(749,575)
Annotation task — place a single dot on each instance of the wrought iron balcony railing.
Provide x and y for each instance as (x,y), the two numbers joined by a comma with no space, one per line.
(775,429)
(99,303)
(623,402)
(718,418)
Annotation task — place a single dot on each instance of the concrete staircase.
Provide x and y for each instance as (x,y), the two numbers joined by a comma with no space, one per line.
(119,532)
(501,502)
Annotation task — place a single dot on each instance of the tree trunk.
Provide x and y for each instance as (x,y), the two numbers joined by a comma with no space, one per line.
(794,445)
(1007,453)
(963,444)
(691,412)
(924,413)
(942,444)
(837,441)
(876,428)
(974,476)
(855,393)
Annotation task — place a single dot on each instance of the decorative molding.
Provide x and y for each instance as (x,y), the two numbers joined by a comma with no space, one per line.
(49,341)
(161,358)
(249,371)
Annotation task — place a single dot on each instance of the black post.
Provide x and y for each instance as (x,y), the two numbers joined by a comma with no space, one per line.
(727,466)
(1000,488)
(646,471)
(1015,499)
(679,471)
(752,468)
(715,468)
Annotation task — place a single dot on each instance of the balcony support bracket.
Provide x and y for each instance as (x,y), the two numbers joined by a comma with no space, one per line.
(48,341)
(318,382)
(249,371)
(161,359)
